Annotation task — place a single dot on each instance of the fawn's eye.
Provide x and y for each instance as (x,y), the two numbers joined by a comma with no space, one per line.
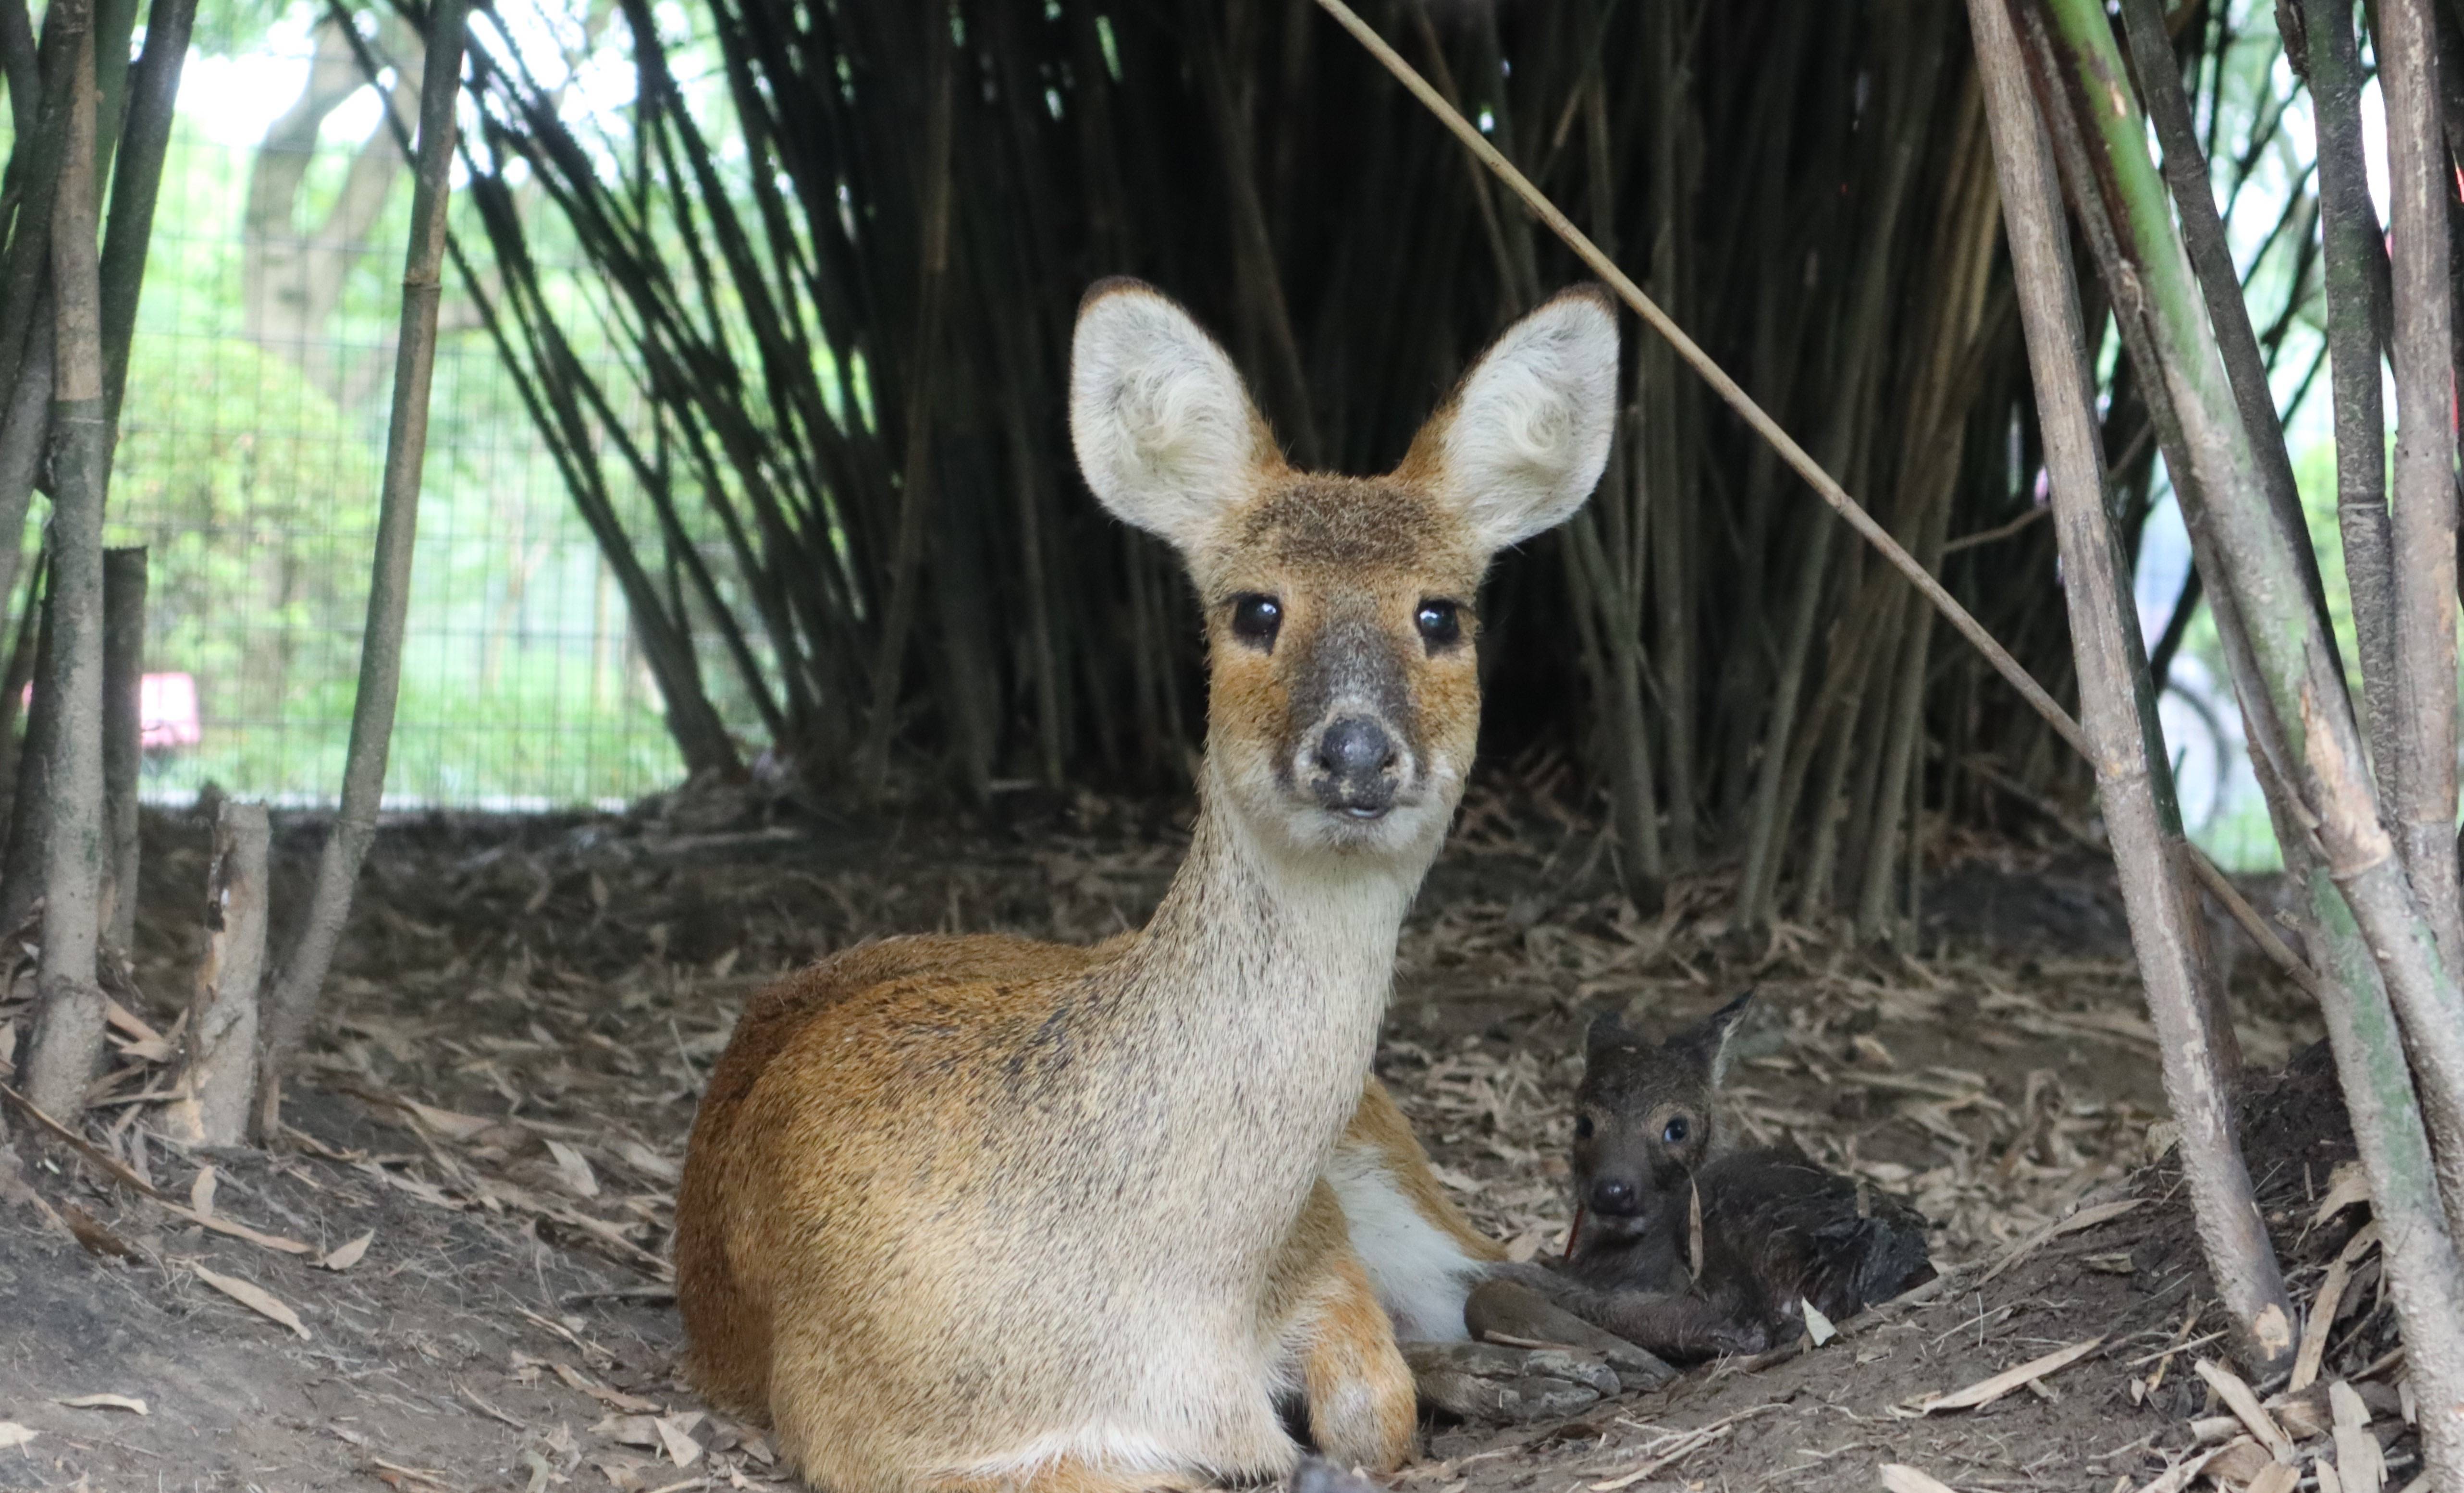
(1677,1131)
(1440,622)
(1582,1126)
(1256,619)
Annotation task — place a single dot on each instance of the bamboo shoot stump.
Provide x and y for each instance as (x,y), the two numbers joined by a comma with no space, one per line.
(214,1107)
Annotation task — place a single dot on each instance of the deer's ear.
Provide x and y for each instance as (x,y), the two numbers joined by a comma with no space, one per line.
(1163,427)
(1525,436)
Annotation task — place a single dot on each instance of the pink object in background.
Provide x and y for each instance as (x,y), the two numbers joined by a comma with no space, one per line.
(166,710)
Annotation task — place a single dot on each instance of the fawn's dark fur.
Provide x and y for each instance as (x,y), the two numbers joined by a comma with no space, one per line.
(1651,1158)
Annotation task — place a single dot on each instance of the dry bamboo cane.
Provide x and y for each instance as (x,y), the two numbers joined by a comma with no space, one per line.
(124,669)
(2350,229)
(2117,710)
(136,180)
(915,488)
(303,981)
(212,1109)
(2357,883)
(2420,182)
(68,1019)
(1827,490)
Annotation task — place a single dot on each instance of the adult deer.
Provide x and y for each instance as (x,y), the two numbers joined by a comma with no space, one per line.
(975,1213)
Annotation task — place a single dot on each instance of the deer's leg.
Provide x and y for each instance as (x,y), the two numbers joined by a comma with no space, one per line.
(1355,1388)
(1066,1475)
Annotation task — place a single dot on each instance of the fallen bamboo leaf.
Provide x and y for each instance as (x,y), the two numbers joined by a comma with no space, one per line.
(614,1399)
(12,1434)
(2179,1476)
(1818,1327)
(629,1430)
(675,1435)
(2238,1397)
(2275,1477)
(1691,1444)
(434,1479)
(226,1227)
(255,1298)
(1688,1443)
(1985,1392)
(2084,1219)
(650,1163)
(2348,1186)
(1900,1477)
(344,1256)
(2323,1308)
(201,1193)
(2238,1461)
(106,1402)
(130,1024)
(573,1169)
(2360,1465)
(96,1236)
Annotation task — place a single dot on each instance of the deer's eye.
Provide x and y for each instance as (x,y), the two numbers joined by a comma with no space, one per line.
(1256,619)
(1583,1127)
(1440,622)
(1677,1131)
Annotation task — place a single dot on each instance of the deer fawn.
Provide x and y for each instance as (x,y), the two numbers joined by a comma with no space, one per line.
(1687,1245)
(975,1213)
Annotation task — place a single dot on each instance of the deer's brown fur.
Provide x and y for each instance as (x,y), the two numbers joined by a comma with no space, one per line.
(968,1213)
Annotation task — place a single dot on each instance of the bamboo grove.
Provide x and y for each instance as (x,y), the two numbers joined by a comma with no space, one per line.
(853,345)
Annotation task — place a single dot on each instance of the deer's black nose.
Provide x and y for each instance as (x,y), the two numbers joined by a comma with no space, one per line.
(1355,757)
(1613,1195)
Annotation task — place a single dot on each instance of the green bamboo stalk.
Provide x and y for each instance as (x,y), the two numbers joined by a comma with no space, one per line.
(2117,712)
(2421,183)
(2302,690)
(2355,278)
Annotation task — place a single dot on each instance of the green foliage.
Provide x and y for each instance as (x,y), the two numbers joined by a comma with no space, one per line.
(252,478)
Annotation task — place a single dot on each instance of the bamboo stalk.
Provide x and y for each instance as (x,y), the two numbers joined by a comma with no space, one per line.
(124,669)
(2117,710)
(301,983)
(915,487)
(68,1016)
(136,183)
(220,1077)
(2302,691)
(2421,183)
(2356,260)
(21,874)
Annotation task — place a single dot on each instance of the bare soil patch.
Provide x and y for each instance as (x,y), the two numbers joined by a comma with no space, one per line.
(524,1009)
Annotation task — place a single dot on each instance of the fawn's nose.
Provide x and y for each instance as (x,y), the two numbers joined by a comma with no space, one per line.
(1356,761)
(1613,1195)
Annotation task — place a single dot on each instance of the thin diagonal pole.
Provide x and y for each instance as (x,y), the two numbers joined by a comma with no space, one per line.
(1732,393)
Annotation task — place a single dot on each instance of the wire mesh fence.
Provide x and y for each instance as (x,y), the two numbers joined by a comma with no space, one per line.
(251,445)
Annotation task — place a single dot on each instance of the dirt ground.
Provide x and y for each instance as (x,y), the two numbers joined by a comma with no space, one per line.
(453,1276)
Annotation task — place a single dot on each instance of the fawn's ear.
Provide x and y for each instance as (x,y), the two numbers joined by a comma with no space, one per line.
(1164,430)
(1608,1029)
(1714,1039)
(1523,440)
